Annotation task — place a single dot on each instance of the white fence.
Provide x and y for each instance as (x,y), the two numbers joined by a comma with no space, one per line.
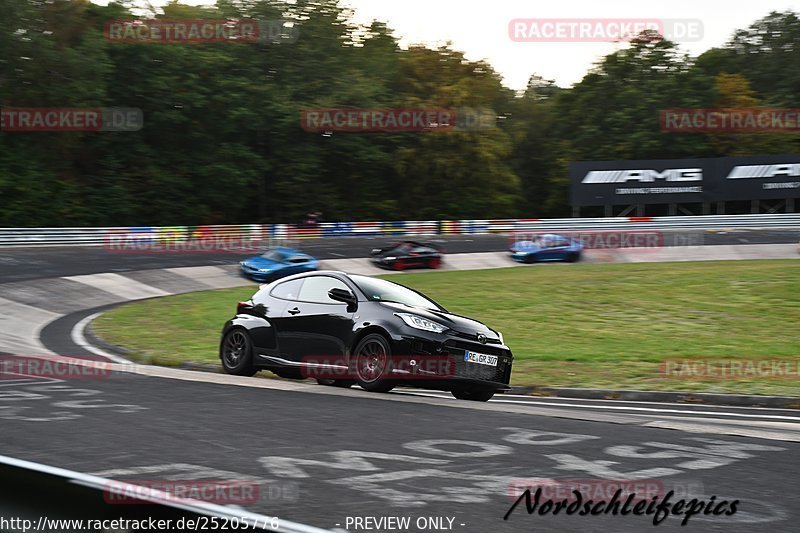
(268,233)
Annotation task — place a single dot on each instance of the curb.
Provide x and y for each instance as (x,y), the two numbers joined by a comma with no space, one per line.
(694,398)
(96,340)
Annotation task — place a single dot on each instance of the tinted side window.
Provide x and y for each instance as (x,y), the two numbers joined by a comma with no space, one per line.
(288,290)
(315,289)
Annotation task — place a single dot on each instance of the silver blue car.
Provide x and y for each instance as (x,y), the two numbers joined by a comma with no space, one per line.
(546,247)
(277,263)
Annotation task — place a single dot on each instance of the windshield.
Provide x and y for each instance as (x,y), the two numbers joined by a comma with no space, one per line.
(274,255)
(380,290)
(401,248)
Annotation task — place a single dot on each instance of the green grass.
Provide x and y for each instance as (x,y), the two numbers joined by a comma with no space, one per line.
(585,325)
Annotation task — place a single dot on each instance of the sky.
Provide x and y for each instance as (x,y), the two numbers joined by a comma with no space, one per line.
(480,28)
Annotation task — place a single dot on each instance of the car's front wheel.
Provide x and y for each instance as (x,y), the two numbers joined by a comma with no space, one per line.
(474,395)
(236,352)
(373,366)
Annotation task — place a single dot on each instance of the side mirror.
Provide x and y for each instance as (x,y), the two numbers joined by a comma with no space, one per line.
(344,296)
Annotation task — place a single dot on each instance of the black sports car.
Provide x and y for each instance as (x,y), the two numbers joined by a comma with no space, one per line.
(407,254)
(344,329)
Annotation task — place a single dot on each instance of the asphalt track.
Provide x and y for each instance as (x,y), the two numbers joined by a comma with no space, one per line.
(322,456)
(29,263)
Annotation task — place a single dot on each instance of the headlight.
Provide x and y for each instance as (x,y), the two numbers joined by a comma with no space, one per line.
(501,337)
(265,270)
(390,258)
(418,322)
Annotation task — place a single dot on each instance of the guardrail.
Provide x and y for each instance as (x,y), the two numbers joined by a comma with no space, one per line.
(47,498)
(267,234)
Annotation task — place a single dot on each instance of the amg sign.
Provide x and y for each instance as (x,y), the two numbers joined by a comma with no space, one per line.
(639,182)
(764,171)
(646,176)
(677,181)
(769,177)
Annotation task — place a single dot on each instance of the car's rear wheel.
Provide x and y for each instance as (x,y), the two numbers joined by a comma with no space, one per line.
(236,353)
(476,395)
(372,362)
(344,383)
(434,262)
(573,257)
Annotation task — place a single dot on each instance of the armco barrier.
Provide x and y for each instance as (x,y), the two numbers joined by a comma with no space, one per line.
(267,234)
(46,498)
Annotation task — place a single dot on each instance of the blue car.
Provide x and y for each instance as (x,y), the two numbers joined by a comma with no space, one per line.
(277,263)
(547,247)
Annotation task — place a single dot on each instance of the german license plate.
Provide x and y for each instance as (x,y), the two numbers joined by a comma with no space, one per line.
(480,358)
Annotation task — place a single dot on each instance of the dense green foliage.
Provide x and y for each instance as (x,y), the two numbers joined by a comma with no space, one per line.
(222,141)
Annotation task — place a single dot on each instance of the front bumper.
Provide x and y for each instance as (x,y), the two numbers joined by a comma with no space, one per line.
(459,371)
(380,263)
(258,275)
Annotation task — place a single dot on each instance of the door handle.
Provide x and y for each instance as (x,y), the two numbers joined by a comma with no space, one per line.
(294,311)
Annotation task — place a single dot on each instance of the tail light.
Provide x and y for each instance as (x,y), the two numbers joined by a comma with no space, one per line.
(243,307)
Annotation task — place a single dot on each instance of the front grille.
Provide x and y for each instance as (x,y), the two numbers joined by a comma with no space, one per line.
(464,369)
(474,337)
(475,347)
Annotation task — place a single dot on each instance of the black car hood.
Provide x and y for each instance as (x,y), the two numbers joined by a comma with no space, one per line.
(455,322)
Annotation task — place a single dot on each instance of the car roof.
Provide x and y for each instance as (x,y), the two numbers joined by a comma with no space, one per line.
(549,236)
(287,251)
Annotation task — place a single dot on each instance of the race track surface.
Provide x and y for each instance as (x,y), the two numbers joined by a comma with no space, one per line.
(29,263)
(321,455)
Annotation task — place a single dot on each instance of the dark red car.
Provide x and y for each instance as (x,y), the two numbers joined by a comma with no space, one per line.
(407,254)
